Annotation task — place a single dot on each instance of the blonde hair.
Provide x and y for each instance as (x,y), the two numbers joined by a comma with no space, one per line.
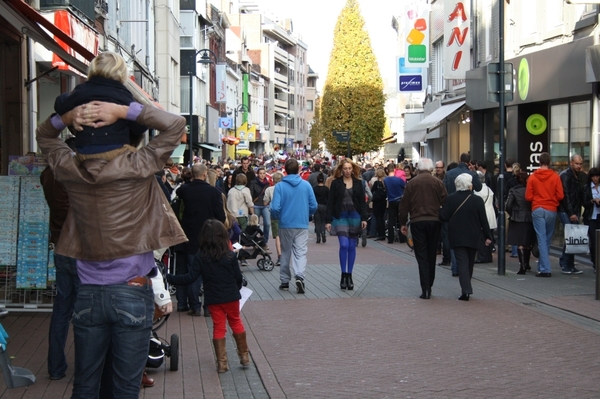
(211,178)
(109,65)
(277,176)
(516,168)
(253,220)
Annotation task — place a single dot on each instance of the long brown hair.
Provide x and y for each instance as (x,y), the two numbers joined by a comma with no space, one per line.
(214,240)
(355,169)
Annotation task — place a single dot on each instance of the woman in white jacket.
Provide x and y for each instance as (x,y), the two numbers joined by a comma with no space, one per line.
(239,201)
(484,253)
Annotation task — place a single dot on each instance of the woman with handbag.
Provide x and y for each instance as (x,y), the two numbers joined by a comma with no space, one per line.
(520,228)
(379,204)
(258,186)
(346,215)
(466,217)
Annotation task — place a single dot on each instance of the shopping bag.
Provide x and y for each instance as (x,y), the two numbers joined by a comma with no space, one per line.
(576,239)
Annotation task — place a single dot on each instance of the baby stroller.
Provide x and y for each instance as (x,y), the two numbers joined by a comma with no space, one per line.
(252,249)
(159,348)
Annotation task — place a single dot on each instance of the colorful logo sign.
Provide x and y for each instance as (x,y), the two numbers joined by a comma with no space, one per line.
(523,79)
(417,39)
(225,123)
(536,124)
(411,83)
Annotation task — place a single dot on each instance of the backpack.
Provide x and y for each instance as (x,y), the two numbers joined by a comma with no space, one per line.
(379,191)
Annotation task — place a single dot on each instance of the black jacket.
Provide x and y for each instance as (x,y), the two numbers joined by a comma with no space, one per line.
(588,203)
(517,206)
(257,191)
(201,202)
(465,227)
(572,201)
(336,197)
(222,279)
(100,89)
(321,194)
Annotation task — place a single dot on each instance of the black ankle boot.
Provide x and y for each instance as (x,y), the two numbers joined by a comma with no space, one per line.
(318,238)
(343,283)
(521,264)
(526,258)
(349,281)
(324,239)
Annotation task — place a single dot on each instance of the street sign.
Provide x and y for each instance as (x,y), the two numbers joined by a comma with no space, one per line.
(342,137)
(493,82)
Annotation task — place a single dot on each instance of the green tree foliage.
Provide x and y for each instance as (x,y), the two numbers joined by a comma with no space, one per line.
(353,98)
(316,131)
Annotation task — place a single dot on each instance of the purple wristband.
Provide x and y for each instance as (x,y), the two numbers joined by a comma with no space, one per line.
(135,109)
(57,122)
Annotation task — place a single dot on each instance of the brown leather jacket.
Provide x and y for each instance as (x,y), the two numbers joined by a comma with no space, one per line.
(117,208)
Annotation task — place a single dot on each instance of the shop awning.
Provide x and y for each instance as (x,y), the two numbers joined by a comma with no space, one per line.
(30,22)
(418,132)
(210,147)
(177,155)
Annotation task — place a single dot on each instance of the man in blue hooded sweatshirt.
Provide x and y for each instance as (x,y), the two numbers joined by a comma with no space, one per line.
(293,202)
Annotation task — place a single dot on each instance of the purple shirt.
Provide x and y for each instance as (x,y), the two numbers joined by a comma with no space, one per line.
(116,271)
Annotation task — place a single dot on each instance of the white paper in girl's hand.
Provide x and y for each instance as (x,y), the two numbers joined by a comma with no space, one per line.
(237,245)
(245,292)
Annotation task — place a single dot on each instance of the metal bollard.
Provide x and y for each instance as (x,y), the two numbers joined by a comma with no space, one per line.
(597,263)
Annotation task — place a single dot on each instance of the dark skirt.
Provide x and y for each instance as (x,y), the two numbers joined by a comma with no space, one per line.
(521,233)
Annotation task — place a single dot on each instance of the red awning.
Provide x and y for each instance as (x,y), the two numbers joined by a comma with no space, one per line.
(25,19)
(31,13)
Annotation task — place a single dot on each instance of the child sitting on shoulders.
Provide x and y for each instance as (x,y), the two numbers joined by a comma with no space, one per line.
(107,75)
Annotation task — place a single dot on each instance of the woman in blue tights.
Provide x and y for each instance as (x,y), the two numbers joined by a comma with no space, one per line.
(346,215)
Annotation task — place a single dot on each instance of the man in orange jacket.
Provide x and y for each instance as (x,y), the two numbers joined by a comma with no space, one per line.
(544,191)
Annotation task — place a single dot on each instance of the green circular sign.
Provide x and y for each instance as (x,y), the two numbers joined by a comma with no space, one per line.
(536,124)
(523,79)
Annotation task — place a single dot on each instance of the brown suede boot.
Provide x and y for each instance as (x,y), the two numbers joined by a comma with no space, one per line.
(242,348)
(221,352)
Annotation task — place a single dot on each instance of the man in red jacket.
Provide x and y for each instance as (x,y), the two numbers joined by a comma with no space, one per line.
(544,191)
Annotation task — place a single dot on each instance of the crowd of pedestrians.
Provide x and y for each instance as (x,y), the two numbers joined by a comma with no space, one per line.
(108,215)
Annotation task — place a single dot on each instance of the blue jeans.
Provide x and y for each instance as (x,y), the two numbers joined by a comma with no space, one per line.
(543,224)
(118,317)
(566,261)
(67,285)
(265,212)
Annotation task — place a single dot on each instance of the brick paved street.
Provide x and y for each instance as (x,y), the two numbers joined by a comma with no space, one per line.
(518,337)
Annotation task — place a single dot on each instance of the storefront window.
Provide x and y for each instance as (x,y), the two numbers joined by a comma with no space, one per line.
(570,133)
(559,136)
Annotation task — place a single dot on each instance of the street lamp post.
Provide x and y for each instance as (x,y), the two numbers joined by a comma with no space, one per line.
(239,108)
(204,60)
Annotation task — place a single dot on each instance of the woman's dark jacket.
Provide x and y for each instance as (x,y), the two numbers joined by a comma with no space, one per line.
(336,197)
(587,202)
(321,194)
(257,191)
(100,89)
(465,227)
(222,279)
(378,185)
(517,206)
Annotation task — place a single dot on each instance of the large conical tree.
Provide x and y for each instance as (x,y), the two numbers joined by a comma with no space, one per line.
(353,98)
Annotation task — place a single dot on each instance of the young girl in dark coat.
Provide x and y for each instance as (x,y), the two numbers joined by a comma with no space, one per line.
(222,279)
